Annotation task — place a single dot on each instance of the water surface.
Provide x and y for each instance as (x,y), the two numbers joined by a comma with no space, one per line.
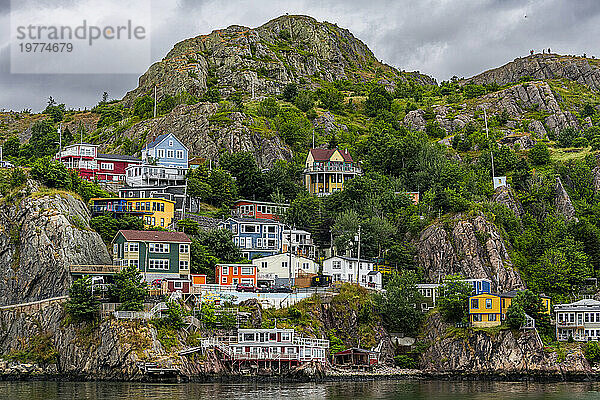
(405,390)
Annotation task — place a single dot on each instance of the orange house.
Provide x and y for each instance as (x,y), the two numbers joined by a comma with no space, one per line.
(198,279)
(233,274)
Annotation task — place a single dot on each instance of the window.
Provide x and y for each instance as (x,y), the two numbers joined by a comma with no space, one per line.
(178,285)
(126,249)
(247,281)
(304,265)
(247,270)
(488,304)
(491,317)
(159,247)
(263,264)
(184,248)
(475,303)
(158,264)
(161,153)
(284,265)
(135,247)
(249,229)
(170,143)
(184,264)
(107,166)
(170,154)
(162,222)
(225,270)
(587,317)
(337,265)
(285,336)
(224,279)
(423,306)
(476,317)
(134,263)
(180,154)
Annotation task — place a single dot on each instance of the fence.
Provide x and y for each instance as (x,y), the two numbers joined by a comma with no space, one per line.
(34,305)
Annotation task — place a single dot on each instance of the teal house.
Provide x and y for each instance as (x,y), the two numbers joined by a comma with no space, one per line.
(157,254)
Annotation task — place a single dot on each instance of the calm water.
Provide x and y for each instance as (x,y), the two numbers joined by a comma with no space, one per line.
(338,390)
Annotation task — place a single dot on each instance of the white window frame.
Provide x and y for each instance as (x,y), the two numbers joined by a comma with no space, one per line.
(184,248)
(179,154)
(224,270)
(160,153)
(159,248)
(177,285)
(158,263)
(247,271)
(184,264)
(170,153)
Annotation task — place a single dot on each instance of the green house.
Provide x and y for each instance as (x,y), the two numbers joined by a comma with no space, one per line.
(157,254)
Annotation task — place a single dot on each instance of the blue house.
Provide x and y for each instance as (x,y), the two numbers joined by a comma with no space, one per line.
(255,237)
(480,286)
(167,151)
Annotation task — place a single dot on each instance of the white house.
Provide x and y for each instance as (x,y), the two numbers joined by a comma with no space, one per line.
(579,320)
(344,269)
(276,268)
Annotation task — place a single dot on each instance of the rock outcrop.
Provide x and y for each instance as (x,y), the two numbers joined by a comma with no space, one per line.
(543,66)
(505,353)
(505,195)
(40,237)
(472,248)
(208,128)
(562,201)
(286,49)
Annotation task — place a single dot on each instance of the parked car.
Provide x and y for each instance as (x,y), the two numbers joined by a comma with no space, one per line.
(245,287)
(265,289)
(281,289)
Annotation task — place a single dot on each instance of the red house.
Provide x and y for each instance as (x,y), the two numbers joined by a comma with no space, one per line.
(258,209)
(91,165)
(233,274)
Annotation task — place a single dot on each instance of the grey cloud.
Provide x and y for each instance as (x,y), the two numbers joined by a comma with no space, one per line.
(438,37)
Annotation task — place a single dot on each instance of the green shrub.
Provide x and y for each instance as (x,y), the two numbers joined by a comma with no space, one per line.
(404,361)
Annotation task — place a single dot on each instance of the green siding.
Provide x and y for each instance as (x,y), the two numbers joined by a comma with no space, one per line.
(172,255)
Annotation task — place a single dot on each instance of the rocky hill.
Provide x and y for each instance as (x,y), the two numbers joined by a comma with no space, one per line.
(41,235)
(293,48)
(543,66)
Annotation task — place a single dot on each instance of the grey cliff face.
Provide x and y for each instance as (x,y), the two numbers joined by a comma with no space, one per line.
(206,134)
(543,66)
(40,237)
(471,248)
(503,353)
(562,201)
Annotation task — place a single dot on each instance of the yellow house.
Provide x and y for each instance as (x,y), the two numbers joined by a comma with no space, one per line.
(157,212)
(485,310)
(328,170)
(507,301)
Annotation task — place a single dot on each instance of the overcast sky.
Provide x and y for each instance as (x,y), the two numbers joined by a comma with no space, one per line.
(441,38)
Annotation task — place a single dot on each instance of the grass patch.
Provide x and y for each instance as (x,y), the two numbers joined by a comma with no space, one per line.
(39,349)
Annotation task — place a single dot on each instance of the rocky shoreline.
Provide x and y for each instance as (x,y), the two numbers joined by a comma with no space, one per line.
(15,371)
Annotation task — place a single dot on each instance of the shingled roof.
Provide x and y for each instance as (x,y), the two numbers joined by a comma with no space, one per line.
(155,236)
(325,154)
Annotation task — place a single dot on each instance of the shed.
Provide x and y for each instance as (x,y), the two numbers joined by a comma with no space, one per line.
(355,358)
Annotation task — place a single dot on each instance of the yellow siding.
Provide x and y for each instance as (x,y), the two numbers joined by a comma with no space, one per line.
(336,156)
(506,302)
(156,217)
(489,316)
(546,303)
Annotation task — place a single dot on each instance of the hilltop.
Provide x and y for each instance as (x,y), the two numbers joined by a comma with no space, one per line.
(287,49)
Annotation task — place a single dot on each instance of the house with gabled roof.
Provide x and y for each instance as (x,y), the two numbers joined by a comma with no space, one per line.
(328,170)
(166,151)
(157,254)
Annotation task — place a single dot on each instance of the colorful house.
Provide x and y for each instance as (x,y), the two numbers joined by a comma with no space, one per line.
(258,209)
(166,151)
(157,254)
(485,310)
(233,274)
(328,170)
(153,211)
(255,237)
(174,193)
(154,175)
(91,165)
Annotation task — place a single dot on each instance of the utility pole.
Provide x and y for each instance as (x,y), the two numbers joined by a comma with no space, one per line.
(358,264)
(184,200)
(313,132)
(59,140)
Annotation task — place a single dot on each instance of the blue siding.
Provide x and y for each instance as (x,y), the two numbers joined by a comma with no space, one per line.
(168,151)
